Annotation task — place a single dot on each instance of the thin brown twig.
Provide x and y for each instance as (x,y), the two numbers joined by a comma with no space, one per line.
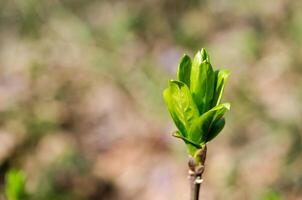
(196,169)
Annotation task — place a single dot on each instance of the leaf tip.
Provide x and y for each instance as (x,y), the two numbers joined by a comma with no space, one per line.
(227,106)
(204,55)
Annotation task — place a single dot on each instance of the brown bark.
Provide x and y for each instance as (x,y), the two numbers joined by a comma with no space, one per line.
(196,169)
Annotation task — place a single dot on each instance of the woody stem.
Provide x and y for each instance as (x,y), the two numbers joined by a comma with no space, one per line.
(196,167)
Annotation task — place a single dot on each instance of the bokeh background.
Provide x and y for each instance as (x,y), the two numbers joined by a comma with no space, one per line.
(81,109)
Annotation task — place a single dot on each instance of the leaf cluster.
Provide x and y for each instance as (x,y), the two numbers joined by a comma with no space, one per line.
(194,100)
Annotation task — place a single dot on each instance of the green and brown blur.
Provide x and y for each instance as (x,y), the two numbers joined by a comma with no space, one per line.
(81,109)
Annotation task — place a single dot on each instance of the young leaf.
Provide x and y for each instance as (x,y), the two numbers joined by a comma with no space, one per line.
(209,89)
(221,77)
(180,105)
(218,122)
(204,55)
(202,84)
(216,127)
(184,70)
(200,128)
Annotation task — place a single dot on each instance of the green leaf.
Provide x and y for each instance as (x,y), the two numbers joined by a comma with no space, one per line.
(199,131)
(221,77)
(184,70)
(202,81)
(221,109)
(15,185)
(217,122)
(204,55)
(217,126)
(210,88)
(180,105)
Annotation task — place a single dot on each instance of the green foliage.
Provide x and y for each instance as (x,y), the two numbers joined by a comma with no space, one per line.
(193,100)
(202,80)
(271,195)
(184,70)
(181,106)
(15,185)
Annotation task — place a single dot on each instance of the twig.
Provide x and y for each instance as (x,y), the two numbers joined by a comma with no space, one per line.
(196,169)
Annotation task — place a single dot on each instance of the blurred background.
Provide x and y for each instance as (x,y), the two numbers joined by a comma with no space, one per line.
(81,109)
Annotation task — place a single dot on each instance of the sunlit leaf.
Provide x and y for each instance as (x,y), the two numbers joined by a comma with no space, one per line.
(201,127)
(180,105)
(202,81)
(221,77)
(184,70)
(216,127)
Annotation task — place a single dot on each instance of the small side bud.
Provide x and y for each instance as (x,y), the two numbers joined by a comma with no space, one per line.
(201,154)
(191,164)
